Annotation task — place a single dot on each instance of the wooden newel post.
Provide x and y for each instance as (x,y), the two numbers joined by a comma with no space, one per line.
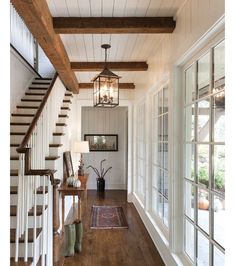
(56,222)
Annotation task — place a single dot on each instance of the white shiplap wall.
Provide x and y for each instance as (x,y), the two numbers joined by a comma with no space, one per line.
(107,121)
(21,76)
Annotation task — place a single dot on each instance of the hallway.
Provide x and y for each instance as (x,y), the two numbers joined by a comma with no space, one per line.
(126,247)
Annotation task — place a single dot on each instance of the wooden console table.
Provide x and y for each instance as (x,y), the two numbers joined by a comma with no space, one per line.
(66,190)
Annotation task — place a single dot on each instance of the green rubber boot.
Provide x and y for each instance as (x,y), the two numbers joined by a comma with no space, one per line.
(69,240)
(79,234)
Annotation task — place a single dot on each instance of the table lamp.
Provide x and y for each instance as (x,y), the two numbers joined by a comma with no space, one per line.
(81,147)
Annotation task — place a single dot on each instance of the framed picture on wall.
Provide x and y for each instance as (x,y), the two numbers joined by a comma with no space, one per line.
(102,142)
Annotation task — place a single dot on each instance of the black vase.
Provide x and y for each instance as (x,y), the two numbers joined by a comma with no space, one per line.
(100,184)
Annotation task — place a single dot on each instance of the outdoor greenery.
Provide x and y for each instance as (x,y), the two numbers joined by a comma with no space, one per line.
(203,178)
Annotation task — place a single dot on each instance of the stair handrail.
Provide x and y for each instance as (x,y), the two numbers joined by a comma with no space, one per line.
(23,146)
(26,156)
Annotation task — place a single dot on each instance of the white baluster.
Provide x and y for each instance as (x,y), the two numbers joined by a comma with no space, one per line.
(43,222)
(26,220)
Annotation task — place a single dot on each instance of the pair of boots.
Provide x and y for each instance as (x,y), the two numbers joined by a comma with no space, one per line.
(73,238)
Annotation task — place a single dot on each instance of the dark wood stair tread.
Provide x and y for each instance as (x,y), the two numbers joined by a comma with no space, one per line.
(21,262)
(14,158)
(67,101)
(64,108)
(26,115)
(30,235)
(14,190)
(39,209)
(26,107)
(61,124)
(55,145)
(31,100)
(35,93)
(28,263)
(58,134)
(14,145)
(19,124)
(66,116)
(14,172)
(17,133)
(52,158)
(43,78)
(41,83)
(69,94)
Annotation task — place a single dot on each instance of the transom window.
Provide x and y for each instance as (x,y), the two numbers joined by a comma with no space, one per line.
(204,154)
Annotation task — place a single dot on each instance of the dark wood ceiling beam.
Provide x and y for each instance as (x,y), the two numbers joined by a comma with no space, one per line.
(68,25)
(121,86)
(115,66)
(38,19)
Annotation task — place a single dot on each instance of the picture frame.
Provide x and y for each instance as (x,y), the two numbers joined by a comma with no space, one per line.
(102,142)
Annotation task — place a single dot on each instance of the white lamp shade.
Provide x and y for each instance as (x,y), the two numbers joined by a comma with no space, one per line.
(81,147)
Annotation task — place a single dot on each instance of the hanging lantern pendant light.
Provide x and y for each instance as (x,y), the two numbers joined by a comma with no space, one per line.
(106,86)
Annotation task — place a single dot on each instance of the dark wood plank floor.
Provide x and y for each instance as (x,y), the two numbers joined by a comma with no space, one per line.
(117,247)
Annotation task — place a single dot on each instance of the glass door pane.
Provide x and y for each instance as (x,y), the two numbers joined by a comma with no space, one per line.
(218,257)
(190,75)
(189,123)
(219,220)
(203,250)
(203,209)
(189,239)
(203,123)
(189,200)
(203,75)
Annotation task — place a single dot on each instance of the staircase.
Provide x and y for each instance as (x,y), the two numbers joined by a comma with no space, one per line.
(31,227)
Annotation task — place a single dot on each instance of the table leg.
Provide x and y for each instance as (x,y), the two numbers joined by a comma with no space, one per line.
(63,213)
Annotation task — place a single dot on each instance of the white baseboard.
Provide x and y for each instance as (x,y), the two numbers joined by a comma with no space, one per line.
(158,239)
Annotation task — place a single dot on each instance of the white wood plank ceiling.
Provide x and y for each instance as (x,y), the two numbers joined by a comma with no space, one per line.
(124,47)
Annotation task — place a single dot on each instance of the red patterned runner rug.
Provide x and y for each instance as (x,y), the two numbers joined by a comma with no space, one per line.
(108,217)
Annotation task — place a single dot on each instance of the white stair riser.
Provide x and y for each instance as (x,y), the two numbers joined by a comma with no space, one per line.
(66,105)
(16,138)
(37,91)
(30,249)
(68,98)
(14,164)
(13,199)
(64,112)
(58,139)
(52,164)
(34,97)
(42,80)
(14,180)
(13,151)
(30,221)
(55,151)
(26,111)
(60,129)
(21,119)
(19,128)
(39,85)
(30,103)
(55,164)
(63,120)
